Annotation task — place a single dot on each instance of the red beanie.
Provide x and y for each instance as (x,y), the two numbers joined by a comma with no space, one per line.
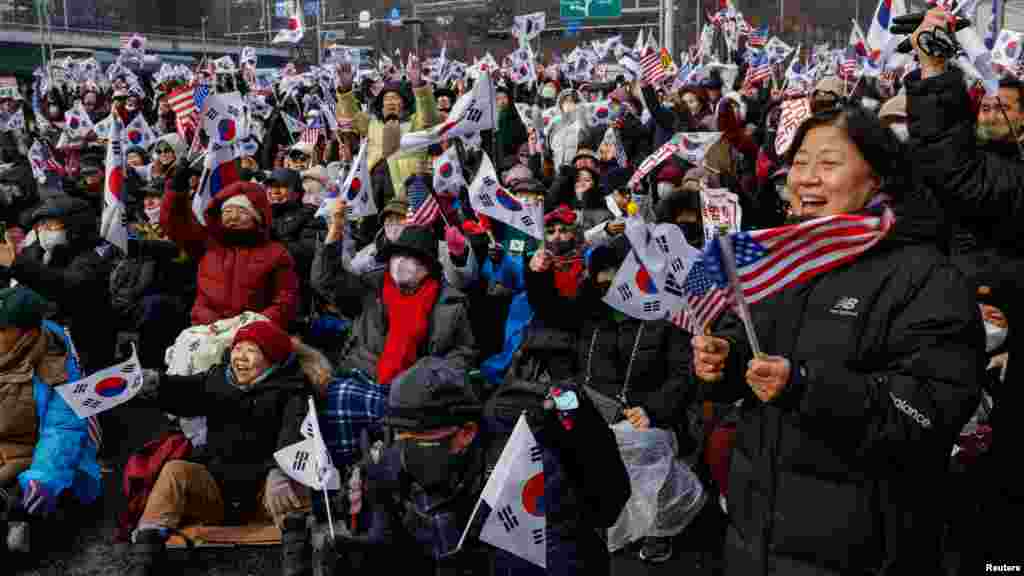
(274,342)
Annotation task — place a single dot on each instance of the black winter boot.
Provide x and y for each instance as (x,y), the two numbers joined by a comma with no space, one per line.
(147,553)
(295,552)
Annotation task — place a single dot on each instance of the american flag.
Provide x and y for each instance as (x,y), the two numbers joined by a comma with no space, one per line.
(769,261)
(849,66)
(793,114)
(654,72)
(705,301)
(184,105)
(199,94)
(760,69)
(423,206)
(758,37)
(311,135)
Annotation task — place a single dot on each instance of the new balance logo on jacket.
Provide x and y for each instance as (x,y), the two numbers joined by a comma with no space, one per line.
(846,306)
(909,410)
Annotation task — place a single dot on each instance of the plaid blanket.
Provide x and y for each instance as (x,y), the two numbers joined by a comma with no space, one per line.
(354,403)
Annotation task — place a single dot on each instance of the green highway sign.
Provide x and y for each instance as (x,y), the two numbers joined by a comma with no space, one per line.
(577,9)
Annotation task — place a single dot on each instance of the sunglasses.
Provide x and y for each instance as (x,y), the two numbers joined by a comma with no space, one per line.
(298,157)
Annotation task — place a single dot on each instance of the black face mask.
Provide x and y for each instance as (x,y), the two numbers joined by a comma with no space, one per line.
(242,237)
(694,234)
(431,465)
(562,247)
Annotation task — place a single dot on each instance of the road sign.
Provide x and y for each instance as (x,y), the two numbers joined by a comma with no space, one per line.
(576,9)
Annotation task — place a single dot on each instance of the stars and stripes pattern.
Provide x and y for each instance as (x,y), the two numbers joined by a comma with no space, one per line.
(705,301)
(771,260)
(423,206)
(650,63)
(758,37)
(760,69)
(183,103)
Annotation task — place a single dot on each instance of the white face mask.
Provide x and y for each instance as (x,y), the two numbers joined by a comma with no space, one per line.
(407,272)
(901,131)
(994,337)
(50,239)
(153,215)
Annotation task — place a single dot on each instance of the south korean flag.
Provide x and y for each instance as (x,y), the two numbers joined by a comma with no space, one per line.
(448,177)
(105,389)
(487,196)
(635,292)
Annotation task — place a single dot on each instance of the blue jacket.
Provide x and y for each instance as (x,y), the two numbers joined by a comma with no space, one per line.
(65,455)
(510,273)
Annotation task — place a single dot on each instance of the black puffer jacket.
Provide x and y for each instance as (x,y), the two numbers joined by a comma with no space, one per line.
(13,208)
(244,426)
(844,470)
(74,280)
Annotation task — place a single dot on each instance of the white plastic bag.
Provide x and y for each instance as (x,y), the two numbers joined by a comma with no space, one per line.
(666,494)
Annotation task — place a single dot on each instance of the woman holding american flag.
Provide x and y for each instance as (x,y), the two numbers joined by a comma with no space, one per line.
(872,350)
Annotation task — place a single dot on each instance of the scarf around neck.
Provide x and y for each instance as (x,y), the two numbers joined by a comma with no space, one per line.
(408,322)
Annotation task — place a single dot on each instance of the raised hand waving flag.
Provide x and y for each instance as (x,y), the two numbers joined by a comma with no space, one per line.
(487,196)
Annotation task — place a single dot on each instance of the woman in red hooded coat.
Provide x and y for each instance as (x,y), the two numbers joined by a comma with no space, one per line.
(240,268)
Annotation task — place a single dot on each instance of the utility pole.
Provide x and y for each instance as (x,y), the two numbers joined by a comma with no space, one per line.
(668,24)
(204,37)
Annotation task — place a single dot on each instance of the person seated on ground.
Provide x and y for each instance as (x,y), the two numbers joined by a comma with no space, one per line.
(47,456)
(436,467)
(254,404)
(407,311)
(69,266)
(240,267)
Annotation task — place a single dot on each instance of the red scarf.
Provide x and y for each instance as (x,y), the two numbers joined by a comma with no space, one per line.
(408,322)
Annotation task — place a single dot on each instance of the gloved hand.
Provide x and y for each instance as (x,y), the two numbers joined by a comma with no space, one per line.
(37,499)
(281,494)
(455,240)
(150,383)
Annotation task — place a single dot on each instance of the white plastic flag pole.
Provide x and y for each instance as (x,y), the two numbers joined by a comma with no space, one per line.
(319,467)
(729,261)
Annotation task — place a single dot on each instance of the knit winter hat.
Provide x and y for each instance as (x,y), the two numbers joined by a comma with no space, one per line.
(242,201)
(271,340)
(21,307)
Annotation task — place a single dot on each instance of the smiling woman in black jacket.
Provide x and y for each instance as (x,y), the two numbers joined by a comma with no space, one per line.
(846,429)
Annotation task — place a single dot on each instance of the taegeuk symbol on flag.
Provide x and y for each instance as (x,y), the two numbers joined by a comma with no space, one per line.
(105,389)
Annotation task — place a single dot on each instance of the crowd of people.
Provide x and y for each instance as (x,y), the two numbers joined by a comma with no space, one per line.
(860,442)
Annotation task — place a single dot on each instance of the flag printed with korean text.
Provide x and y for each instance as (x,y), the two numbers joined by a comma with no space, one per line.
(794,112)
(487,196)
(105,389)
(515,494)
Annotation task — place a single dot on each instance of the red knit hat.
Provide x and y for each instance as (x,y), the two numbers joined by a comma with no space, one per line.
(274,342)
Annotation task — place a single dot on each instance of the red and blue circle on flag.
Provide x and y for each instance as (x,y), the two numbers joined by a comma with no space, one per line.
(644,281)
(226,129)
(446,170)
(115,182)
(135,136)
(111,387)
(601,113)
(354,188)
(533,495)
(508,201)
